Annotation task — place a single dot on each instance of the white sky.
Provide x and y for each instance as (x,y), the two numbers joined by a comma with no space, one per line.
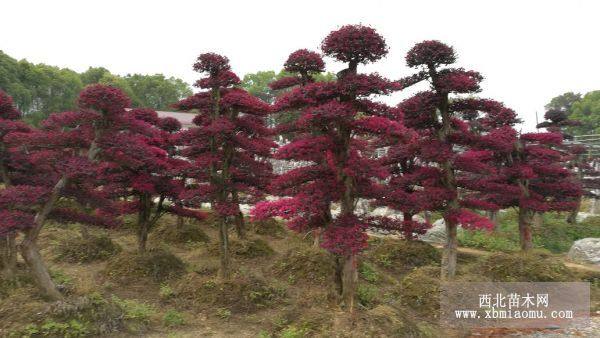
(528,51)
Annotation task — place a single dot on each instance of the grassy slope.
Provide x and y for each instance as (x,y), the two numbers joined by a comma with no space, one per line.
(286,293)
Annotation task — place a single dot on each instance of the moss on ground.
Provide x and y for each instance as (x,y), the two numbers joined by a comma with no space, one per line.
(187,232)
(251,248)
(308,265)
(402,255)
(388,321)
(94,247)
(243,294)
(90,315)
(536,266)
(156,264)
(269,227)
(419,291)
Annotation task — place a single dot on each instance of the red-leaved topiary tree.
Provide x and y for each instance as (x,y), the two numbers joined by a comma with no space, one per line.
(336,134)
(141,166)
(58,162)
(531,173)
(407,189)
(9,122)
(580,164)
(228,149)
(453,160)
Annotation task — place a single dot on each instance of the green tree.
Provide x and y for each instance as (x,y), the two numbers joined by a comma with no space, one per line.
(123,84)
(93,75)
(10,82)
(563,102)
(39,89)
(156,91)
(587,111)
(257,84)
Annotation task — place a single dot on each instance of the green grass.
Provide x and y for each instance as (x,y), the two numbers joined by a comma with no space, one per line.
(368,273)
(555,234)
(173,318)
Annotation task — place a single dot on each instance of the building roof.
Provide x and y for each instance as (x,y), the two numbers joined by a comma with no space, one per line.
(184,118)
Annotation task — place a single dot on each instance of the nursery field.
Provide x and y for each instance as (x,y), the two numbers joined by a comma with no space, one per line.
(281,286)
(296,204)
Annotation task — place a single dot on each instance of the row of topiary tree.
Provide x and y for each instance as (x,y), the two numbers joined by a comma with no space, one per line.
(441,149)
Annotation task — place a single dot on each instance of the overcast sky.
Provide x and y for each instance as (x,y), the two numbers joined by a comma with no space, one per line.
(528,51)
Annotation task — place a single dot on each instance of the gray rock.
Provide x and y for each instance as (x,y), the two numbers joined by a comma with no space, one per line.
(581,216)
(436,234)
(586,250)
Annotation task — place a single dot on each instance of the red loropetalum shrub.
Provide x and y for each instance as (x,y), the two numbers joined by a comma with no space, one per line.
(336,135)
(59,161)
(228,148)
(140,165)
(449,161)
(579,160)
(13,219)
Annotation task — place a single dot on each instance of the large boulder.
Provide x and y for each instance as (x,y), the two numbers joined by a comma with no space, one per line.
(586,250)
(435,234)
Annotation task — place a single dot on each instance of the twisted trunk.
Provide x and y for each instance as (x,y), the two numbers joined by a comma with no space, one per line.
(572,218)
(224,249)
(30,252)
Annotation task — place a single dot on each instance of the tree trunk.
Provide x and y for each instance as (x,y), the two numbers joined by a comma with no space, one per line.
(239,218)
(38,270)
(224,249)
(142,236)
(525,220)
(493,216)
(317,238)
(407,231)
(572,219)
(450,251)
(30,251)
(349,281)
(338,279)
(8,252)
(143,222)
(239,226)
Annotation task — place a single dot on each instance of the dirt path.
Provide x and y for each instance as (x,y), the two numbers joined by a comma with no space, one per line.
(569,264)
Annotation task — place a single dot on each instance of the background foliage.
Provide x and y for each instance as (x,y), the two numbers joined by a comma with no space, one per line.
(39,90)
